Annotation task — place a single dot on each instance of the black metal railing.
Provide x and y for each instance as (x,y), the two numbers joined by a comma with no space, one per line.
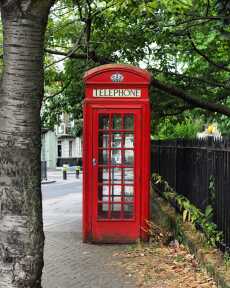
(199,170)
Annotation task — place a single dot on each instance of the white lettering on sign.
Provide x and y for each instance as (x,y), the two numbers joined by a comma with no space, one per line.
(116,93)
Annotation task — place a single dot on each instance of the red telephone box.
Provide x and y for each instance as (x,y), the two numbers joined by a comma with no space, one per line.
(116,161)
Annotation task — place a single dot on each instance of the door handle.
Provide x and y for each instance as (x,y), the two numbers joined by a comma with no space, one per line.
(94,162)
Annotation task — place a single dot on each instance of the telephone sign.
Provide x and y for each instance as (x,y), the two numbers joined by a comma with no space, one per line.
(116,159)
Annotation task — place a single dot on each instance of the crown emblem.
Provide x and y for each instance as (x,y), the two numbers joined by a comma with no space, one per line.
(117,77)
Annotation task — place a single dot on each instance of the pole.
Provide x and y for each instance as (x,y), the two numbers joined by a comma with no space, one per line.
(78,168)
(64,172)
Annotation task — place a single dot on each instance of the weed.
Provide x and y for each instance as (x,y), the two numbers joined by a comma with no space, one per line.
(191,213)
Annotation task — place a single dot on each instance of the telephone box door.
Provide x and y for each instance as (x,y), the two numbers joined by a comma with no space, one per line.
(116,175)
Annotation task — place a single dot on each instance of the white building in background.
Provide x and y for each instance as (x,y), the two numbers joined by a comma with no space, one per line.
(60,147)
(49,151)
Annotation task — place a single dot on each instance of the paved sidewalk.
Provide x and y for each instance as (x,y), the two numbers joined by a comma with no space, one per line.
(69,263)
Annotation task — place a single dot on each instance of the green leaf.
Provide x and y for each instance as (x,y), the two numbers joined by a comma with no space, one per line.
(209,211)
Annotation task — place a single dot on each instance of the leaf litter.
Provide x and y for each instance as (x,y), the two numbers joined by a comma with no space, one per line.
(163,265)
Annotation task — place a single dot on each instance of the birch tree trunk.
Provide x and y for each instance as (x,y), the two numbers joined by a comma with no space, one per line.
(21,227)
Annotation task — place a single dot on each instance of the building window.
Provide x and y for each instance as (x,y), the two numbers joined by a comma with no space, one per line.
(61,129)
(70,148)
(59,149)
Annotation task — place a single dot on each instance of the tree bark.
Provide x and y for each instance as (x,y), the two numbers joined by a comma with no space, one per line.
(21,226)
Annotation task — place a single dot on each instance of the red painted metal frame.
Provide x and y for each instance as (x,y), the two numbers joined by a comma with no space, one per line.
(136,132)
(119,230)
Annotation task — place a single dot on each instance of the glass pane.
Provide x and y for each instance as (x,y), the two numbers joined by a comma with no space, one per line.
(128,199)
(128,122)
(117,122)
(104,140)
(116,211)
(116,198)
(103,175)
(115,194)
(105,190)
(128,191)
(128,175)
(129,157)
(116,157)
(115,207)
(103,209)
(103,193)
(128,211)
(116,190)
(103,157)
(116,175)
(103,121)
(129,140)
(116,140)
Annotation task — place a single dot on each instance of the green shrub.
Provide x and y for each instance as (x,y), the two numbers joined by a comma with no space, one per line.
(172,129)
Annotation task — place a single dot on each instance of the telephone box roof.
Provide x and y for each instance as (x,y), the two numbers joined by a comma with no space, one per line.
(144,74)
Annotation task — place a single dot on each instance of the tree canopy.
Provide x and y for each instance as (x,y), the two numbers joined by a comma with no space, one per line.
(185,44)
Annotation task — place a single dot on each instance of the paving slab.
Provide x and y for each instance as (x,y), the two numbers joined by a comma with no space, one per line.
(68,262)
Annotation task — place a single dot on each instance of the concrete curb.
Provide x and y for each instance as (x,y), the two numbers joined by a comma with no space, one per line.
(48,182)
(211,259)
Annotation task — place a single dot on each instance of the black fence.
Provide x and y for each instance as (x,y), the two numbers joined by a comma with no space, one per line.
(199,170)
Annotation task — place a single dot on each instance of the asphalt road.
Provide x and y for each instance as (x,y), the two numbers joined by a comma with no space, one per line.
(62,203)
(61,188)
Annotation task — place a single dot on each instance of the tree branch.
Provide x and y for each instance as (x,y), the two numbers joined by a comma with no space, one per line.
(207,105)
(179,111)
(219,66)
(88,26)
(61,53)
(195,102)
(199,19)
(61,27)
(58,8)
(192,78)
(59,92)
(92,55)
(74,49)
(79,10)
(207,8)
(103,9)
(87,31)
